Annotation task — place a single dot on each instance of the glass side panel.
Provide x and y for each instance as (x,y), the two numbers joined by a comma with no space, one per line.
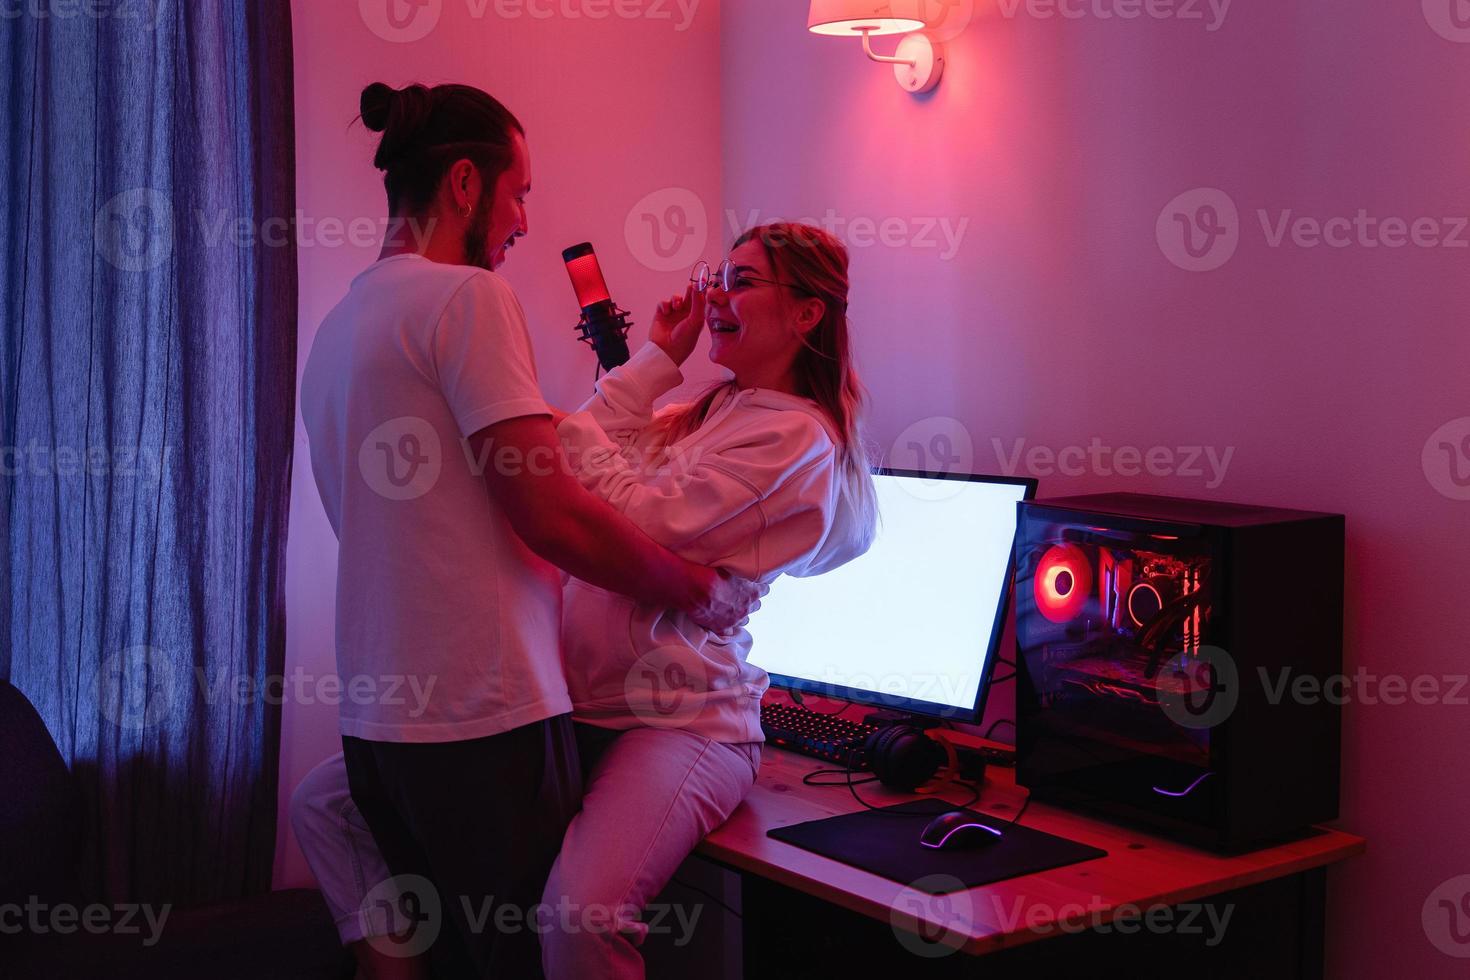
(1111,625)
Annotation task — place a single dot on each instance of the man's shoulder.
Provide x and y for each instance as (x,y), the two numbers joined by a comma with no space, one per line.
(476,283)
(433,291)
(443,278)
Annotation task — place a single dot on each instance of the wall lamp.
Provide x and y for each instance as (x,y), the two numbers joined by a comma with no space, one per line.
(918,62)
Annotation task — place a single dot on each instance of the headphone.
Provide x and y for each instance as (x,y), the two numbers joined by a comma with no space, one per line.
(903,756)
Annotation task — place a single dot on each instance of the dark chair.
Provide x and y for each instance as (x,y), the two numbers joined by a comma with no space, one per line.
(284,934)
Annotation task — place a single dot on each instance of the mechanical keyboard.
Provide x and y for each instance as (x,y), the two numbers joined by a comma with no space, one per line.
(817,734)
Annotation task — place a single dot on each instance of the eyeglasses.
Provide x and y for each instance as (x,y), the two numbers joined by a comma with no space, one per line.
(728,278)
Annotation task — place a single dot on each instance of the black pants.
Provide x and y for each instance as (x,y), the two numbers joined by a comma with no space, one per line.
(482,820)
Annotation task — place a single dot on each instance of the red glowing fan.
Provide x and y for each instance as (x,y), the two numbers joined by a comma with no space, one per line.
(1063,582)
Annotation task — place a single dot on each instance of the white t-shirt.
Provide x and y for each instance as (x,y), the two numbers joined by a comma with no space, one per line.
(446,622)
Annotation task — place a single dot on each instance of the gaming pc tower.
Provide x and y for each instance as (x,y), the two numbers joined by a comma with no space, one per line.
(1173,660)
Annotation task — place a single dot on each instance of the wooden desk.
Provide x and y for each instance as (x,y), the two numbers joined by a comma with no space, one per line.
(791,897)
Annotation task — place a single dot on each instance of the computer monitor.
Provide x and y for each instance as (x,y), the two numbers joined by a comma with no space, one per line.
(914,624)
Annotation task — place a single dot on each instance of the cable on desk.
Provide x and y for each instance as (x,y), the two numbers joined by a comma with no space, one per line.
(807,780)
(847,773)
(852,786)
(996,724)
(1021,812)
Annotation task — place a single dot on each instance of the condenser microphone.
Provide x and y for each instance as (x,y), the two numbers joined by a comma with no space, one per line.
(603,326)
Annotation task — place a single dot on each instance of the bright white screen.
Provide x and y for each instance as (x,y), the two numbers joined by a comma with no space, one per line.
(912,618)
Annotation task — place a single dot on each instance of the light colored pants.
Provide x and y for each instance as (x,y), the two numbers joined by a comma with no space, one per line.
(651,797)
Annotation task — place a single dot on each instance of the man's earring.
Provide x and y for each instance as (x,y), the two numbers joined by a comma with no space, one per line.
(464,212)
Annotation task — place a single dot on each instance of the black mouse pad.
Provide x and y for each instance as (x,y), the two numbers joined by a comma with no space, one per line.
(886,842)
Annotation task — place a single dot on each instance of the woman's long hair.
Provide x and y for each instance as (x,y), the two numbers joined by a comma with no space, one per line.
(814,262)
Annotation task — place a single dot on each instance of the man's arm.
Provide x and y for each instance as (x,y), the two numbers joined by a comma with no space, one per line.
(528,477)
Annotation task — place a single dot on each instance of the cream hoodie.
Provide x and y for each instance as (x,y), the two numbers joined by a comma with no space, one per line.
(754,490)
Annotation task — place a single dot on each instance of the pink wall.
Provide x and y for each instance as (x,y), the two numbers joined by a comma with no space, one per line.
(1059,318)
(615,109)
(1022,291)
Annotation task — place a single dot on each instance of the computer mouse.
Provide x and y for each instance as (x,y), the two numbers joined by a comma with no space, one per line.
(957,830)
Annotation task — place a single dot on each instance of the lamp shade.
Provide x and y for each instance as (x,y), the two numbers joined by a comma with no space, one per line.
(851,18)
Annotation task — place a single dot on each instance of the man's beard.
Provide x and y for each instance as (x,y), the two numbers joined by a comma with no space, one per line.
(477,235)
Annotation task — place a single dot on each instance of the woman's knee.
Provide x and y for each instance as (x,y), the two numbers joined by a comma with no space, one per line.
(579,908)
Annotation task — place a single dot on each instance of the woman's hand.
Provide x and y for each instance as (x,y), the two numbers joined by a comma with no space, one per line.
(677,324)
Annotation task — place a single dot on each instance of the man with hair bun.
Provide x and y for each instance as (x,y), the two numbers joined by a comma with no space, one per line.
(418,388)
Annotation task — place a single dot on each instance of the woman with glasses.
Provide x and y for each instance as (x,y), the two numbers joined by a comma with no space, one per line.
(763,475)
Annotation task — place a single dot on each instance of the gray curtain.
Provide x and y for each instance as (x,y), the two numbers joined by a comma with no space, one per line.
(147,385)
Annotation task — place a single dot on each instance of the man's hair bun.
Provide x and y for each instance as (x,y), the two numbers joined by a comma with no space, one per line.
(375,104)
(425,130)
